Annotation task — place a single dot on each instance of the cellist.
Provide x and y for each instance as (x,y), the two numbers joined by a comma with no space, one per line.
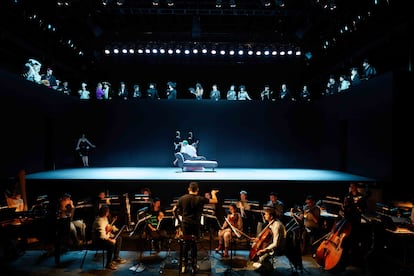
(268,242)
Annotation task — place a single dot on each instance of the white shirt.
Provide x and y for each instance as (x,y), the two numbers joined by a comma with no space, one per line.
(189,149)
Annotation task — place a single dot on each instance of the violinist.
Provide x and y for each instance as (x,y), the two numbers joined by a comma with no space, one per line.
(311,216)
(276,203)
(226,233)
(243,204)
(103,236)
(270,241)
(156,215)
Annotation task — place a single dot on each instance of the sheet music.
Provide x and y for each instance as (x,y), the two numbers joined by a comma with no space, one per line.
(161,220)
(235,230)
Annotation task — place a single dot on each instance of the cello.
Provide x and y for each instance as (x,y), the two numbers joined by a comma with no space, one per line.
(330,250)
(263,240)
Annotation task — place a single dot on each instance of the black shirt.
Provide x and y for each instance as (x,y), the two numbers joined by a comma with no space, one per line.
(191,207)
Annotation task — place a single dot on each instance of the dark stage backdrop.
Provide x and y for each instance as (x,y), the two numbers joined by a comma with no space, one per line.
(350,132)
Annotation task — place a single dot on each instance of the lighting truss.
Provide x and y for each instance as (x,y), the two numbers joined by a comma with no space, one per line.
(212,49)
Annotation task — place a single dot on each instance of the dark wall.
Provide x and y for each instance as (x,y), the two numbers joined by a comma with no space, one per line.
(349,132)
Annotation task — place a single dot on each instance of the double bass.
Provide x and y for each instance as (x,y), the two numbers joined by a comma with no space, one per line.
(329,252)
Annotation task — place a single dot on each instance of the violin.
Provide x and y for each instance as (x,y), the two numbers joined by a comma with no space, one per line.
(160,216)
(330,250)
(110,226)
(263,240)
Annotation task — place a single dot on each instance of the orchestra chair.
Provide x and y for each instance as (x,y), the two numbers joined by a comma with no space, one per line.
(99,250)
(62,227)
(237,243)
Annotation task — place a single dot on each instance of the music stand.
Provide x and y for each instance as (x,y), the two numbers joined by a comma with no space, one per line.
(139,228)
(214,224)
(238,235)
(167,222)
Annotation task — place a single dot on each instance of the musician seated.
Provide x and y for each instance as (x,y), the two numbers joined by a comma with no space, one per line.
(77,227)
(156,234)
(103,236)
(311,219)
(271,241)
(230,229)
(15,201)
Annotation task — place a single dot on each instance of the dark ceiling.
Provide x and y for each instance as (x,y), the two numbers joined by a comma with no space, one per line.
(91,27)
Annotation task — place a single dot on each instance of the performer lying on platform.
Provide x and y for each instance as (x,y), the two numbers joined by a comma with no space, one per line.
(188,152)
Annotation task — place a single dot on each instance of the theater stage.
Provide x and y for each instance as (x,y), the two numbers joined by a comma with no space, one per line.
(169,182)
(220,174)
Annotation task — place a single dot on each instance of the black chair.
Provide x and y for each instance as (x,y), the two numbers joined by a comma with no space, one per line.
(99,250)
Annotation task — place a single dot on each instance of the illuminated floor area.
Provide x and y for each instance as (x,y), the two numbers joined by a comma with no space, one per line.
(160,173)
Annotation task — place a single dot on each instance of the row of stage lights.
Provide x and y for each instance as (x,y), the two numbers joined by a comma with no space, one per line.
(149,50)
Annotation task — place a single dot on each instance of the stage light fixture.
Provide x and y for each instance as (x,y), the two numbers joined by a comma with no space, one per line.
(266,3)
(232,3)
(280,3)
(219,3)
(170,3)
(155,3)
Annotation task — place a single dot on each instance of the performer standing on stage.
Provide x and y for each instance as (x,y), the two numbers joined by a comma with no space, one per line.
(83,146)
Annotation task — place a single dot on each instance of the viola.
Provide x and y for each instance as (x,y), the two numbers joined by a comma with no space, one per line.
(263,240)
(330,250)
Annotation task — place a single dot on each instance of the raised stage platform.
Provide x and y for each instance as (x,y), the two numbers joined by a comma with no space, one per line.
(292,185)
(220,174)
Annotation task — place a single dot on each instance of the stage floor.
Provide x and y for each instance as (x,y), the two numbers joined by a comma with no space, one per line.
(175,174)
